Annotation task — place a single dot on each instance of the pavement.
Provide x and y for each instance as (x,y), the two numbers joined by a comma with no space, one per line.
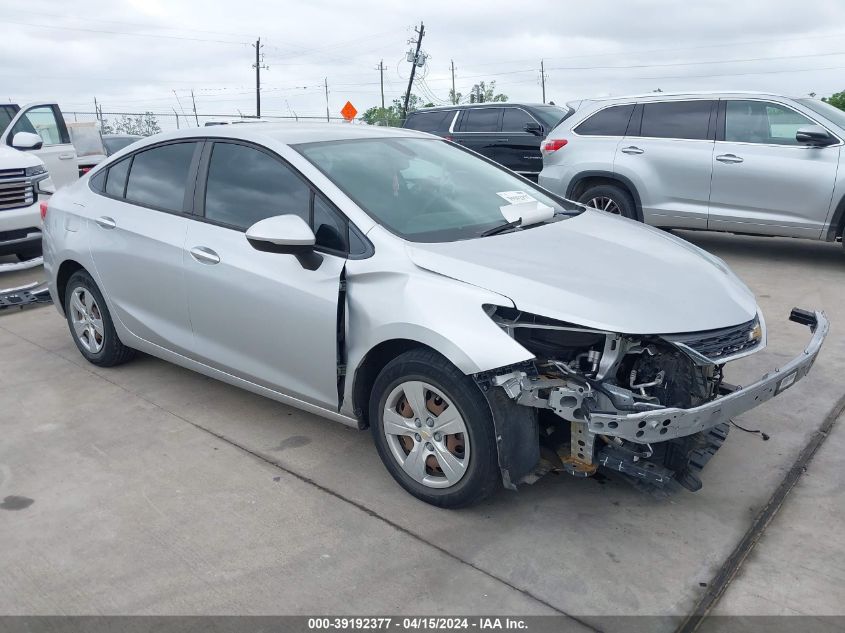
(149,489)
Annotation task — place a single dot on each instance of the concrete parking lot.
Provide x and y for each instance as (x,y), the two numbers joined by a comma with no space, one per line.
(148,489)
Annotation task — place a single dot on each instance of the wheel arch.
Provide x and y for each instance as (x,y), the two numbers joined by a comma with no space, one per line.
(836,228)
(66,270)
(585,179)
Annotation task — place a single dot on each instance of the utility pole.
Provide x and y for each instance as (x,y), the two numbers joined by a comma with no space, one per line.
(381,76)
(454,94)
(326,85)
(420,33)
(177,117)
(194,101)
(258,66)
(543,79)
(99,114)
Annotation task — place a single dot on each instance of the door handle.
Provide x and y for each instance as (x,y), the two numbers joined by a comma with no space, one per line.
(729,158)
(632,150)
(106,222)
(66,156)
(501,140)
(205,255)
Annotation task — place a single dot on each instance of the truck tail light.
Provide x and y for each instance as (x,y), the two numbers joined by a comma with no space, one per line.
(554,144)
(43,207)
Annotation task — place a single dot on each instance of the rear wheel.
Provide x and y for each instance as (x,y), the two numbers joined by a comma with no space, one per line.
(433,430)
(90,323)
(611,199)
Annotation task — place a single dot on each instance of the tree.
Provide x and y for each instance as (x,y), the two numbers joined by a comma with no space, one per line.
(455,97)
(392,115)
(141,124)
(837,100)
(482,93)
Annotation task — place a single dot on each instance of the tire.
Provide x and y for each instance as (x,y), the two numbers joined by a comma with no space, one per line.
(29,253)
(99,344)
(610,198)
(470,457)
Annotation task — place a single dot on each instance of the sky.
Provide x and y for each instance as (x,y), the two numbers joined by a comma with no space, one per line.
(147,55)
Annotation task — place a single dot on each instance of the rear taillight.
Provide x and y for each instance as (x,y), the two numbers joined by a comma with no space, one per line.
(85,170)
(43,206)
(552,145)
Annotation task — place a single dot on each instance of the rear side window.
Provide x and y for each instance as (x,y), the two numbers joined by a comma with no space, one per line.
(515,120)
(116,178)
(481,120)
(159,177)
(676,119)
(612,121)
(246,185)
(435,122)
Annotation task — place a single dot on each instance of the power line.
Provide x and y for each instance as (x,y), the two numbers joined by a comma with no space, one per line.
(167,37)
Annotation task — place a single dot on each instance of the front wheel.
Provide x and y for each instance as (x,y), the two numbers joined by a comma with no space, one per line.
(433,430)
(610,199)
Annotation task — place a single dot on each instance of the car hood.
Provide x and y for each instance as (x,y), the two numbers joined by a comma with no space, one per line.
(11,158)
(600,271)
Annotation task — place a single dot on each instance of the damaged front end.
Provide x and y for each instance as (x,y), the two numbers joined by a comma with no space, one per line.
(653,407)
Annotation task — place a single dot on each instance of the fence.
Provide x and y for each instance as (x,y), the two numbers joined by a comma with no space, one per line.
(144,123)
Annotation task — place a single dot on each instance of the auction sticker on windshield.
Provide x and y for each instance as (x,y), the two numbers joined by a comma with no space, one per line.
(516,197)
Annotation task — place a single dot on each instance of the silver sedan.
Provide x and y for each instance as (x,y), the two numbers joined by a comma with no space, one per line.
(485,330)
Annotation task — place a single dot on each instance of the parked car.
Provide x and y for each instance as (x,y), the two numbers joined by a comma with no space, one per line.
(509,133)
(740,162)
(388,279)
(116,142)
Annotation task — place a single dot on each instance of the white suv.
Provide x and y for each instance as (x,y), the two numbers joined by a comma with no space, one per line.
(740,162)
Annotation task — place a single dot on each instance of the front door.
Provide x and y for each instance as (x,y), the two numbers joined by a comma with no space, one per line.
(263,317)
(764,181)
(519,149)
(57,151)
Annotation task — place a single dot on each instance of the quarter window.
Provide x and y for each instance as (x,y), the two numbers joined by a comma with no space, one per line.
(330,229)
(246,185)
(676,119)
(481,120)
(159,177)
(762,122)
(116,178)
(612,121)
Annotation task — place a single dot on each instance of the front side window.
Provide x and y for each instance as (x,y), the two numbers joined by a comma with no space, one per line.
(44,122)
(676,119)
(515,120)
(246,185)
(424,190)
(481,120)
(612,121)
(762,122)
(159,177)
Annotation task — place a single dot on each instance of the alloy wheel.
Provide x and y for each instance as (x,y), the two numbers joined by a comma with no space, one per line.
(603,203)
(426,434)
(87,320)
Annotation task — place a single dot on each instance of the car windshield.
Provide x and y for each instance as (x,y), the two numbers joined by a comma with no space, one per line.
(551,116)
(828,111)
(427,190)
(116,143)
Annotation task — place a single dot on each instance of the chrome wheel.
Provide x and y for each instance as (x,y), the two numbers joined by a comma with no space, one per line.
(426,434)
(603,203)
(87,320)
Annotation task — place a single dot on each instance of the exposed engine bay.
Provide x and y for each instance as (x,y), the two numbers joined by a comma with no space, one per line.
(585,384)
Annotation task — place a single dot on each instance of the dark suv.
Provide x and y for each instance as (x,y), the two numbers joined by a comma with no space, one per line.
(509,133)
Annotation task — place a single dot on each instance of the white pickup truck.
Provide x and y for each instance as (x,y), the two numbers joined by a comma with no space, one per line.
(36,157)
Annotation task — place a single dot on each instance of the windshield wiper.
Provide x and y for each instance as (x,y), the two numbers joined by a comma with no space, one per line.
(502,228)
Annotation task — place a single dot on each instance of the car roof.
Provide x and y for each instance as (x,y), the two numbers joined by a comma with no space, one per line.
(688,93)
(486,104)
(292,133)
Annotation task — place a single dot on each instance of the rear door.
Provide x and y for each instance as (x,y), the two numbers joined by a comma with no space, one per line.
(434,122)
(479,130)
(667,155)
(764,181)
(137,238)
(57,152)
(518,149)
(263,317)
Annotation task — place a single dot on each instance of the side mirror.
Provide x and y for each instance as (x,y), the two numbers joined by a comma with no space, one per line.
(534,128)
(286,234)
(815,136)
(26,141)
